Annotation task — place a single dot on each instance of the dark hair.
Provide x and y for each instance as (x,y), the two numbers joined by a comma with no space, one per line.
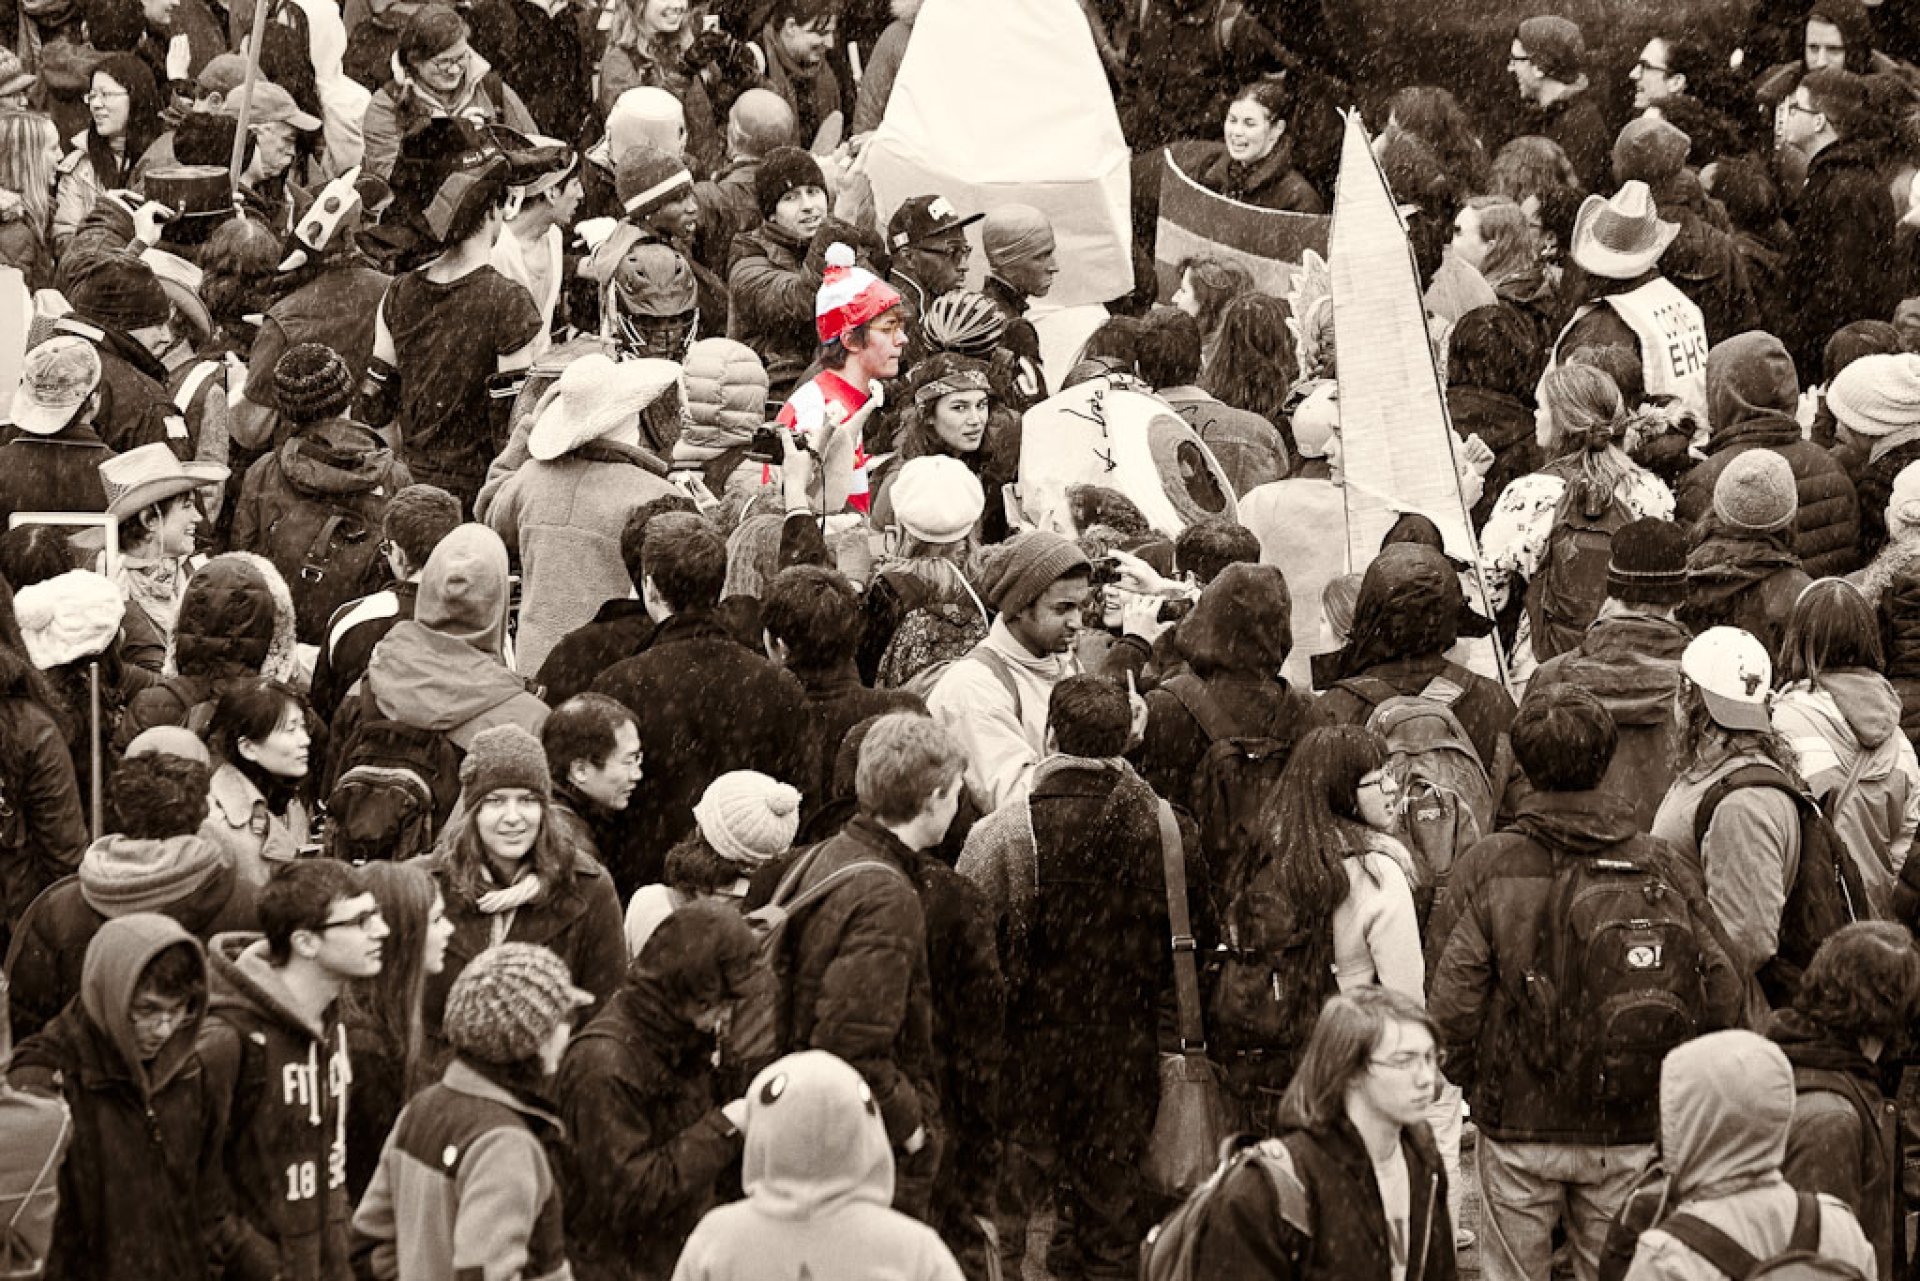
(432,30)
(1091,505)
(1215,282)
(694,867)
(1416,177)
(1253,357)
(584,728)
(1209,545)
(1618,362)
(1831,627)
(251,708)
(1741,184)
(177,972)
(389,1005)
(239,271)
(1864,981)
(418,518)
(1312,820)
(687,560)
(469,874)
(1344,1041)
(1563,738)
(134,531)
(1169,348)
(144,125)
(1842,97)
(157,796)
(633,535)
(475,208)
(1089,716)
(805,13)
(1115,343)
(33,554)
(1272,93)
(1495,348)
(815,613)
(298,896)
(1697,742)
(1435,117)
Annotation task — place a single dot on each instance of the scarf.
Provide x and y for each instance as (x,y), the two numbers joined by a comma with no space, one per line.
(277,791)
(156,586)
(502,904)
(1892,441)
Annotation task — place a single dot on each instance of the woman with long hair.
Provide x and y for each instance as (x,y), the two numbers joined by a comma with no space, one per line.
(1841,716)
(1580,425)
(509,874)
(125,104)
(1492,235)
(1253,162)
(953,410)
(29,152)
(260,742)
(1435,117)
(1535,173)
(1207,285)
(922,606)
(382,1014)
(43,820)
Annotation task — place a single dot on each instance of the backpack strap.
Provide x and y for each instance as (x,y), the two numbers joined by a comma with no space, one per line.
(1191,693)
(1444,690)
(1715,1246)
(1186,974)
(1806,1225)
(1755,775)
(191,384)
(1370,690)
(996,663)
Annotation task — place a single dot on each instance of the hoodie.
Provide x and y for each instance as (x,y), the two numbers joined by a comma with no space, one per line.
(285,1078)
(818,1173)
(1726,1102)
(135,1197)
(1744,581)
(444,669)
(1844,727)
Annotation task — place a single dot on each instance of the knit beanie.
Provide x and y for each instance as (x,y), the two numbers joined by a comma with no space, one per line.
(1755,493)
(1556,47)
(748,817)
(68,617)
(780,171)
(504,756)
(430,32)
(1649,149)
(1023,567)
(311,382)
(1876,395)
(936,499)
(1648,563)
(1749,376)
(120,292)
(647,178)
(1851,342)
(507,1002)
(849,296)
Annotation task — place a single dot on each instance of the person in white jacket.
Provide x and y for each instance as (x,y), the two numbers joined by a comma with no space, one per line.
(1842,719)
(993,699)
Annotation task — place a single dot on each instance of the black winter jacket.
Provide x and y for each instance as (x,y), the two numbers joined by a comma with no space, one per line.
(1827,529)
(1900,632)
(1837,272)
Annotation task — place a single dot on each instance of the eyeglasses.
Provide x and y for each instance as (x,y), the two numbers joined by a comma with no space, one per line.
(105,95)
(1519,57)
(169,1019)
(1380,779)
(1795,109)
(1410,1061)
(1644,65)
(360,922)
(448,63)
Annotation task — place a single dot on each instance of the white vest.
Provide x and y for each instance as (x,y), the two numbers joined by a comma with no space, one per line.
(1673,340)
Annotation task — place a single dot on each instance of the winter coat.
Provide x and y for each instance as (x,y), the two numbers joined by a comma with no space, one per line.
(813,92)
(1578,124)
(580,924)
(246,831)
(1874,484)
(1749,857)
(401,108)
(45,831)
(1247,446)
(728,208)
(1269,183)
(540,57)
(1325,1221)
(633,64)
(836,702)
(1900,626)
(1704,262)
(565,518)
(819,1178)
(45,963)
(24,245)
(620,629)
(1832,722)
(135,408)
(1745,582)
(465,1187)
(336,308)
(138,1200)
(1507,426)
(1489,928)
(772,282)
(1003,737)
(859,974)
(639,1097)
(353,631)
(1630,661)
(706,706)
(284,1078)
(1837,271)
(1723,1146)
(1845,1136)
(57,473)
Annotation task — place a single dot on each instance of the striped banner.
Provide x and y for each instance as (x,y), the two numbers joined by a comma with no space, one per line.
(1194,222)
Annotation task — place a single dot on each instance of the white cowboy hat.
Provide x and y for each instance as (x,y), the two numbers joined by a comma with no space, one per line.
(1622,236)
(139,478)
(593,396)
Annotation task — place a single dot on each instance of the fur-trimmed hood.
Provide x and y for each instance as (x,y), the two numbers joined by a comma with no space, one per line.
(225,627)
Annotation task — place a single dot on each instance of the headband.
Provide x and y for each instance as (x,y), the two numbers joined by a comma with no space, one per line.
(952,384)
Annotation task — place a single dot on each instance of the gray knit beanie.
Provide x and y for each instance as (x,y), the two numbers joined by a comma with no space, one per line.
(1756,494)
(504,756)
(507,1002)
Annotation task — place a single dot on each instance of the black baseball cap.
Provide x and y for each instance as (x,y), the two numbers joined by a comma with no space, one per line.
(923,218)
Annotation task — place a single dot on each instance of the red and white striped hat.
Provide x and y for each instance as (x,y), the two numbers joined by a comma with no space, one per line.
(850,295)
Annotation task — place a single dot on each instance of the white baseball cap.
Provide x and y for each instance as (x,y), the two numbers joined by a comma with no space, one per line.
(1734,676)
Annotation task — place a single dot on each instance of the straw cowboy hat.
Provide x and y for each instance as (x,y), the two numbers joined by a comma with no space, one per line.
(593,396)
(1621,236)
(139,478)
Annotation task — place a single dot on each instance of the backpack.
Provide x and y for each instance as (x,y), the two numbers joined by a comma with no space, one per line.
(1445,799)
(929,638)
(1274,972)
(1827,891)
(1800,1261)
(1167,1253)
(396,787)
(1231,783)
(1619,976)
(926,678)
(326,547)
(761,1028)
(1566,592)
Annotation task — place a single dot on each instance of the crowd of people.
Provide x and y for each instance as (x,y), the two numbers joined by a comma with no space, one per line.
(540,738)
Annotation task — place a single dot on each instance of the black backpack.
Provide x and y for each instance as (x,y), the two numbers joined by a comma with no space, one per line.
(396,787)
(1231,784)
(286,55)
(1167,1253)
(327,547)
(1275,970)
(1566,592)
(1827,891)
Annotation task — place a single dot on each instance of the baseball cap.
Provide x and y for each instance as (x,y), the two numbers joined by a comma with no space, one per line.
(923,218)
(223,73)
(271,105)
(1734,676)
(55,379)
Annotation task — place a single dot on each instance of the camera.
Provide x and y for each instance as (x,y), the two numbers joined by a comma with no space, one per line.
(1106,572)
(765,446)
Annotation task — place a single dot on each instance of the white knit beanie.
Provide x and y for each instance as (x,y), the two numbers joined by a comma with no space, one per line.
(1876,395)
(68,617)
(937,499)
(748,817)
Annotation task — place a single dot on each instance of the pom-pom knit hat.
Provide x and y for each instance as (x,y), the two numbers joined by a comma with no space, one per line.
(748,817)
(850,295)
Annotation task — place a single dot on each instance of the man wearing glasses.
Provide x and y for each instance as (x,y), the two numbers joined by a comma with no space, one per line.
(274,1048)
(928,240)
(1548,65)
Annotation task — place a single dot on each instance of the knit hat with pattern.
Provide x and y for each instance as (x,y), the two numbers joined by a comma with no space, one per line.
(1648,563)
(507,1002)
(1876,395)
(504,756)
(849,296)
(748,817)
(1016,574)
(312,382)
(1755,494)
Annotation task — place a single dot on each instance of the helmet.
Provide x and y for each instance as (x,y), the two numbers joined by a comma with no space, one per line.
(653,280)
(964,323)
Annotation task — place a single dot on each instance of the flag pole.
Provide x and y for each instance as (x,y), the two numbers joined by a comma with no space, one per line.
(238,159)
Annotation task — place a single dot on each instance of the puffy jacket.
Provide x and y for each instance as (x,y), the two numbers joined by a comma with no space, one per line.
(1745,582)
(1900,627)
(1487,931)
(137,1193)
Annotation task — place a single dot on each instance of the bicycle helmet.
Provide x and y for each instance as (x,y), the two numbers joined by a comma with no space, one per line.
(964,323)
